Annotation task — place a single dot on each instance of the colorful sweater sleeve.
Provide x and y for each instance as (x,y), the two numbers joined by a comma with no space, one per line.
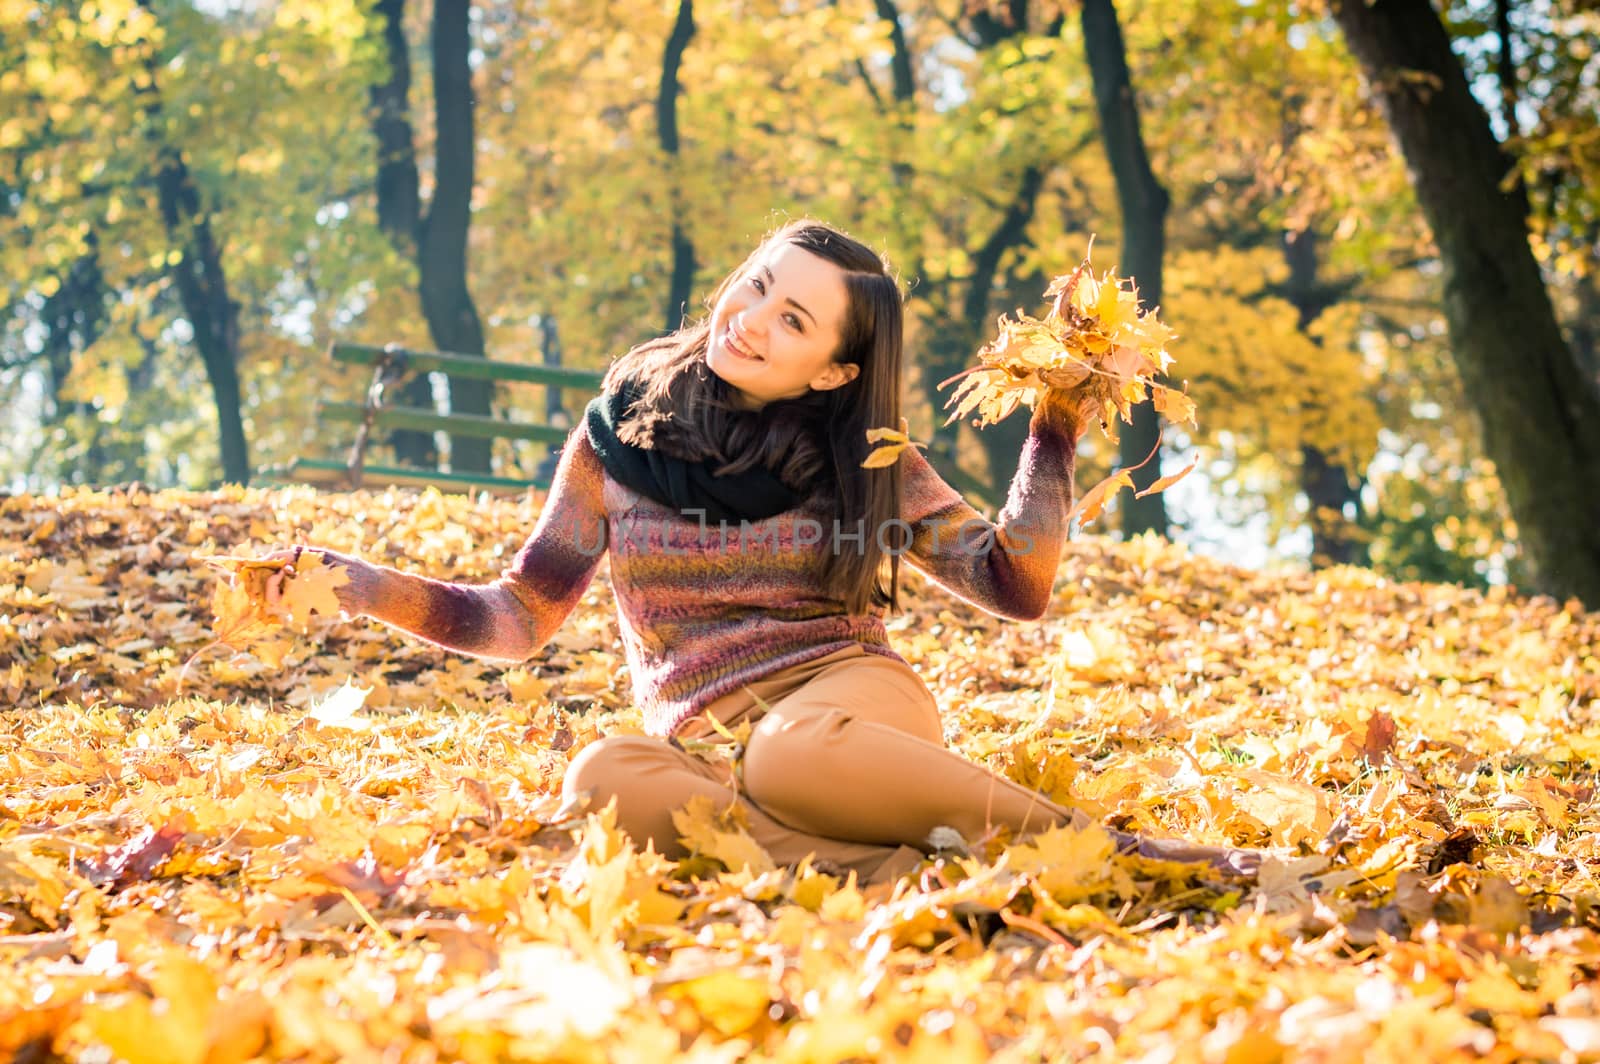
(512,617)
(1007,566)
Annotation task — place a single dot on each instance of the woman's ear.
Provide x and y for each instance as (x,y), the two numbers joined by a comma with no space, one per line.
(837,375)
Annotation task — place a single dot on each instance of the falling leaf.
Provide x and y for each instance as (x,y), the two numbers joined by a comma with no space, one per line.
(1089,505)
(1163,483)
(892,442)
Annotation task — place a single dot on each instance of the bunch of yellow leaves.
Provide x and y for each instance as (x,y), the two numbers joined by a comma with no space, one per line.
(247,617)
(1094,344)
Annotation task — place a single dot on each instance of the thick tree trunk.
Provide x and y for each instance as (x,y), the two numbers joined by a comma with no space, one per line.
(1144,217)
(442,255)
(1585,328)
(203,289)
(1328,485)
(1540,415)
(953,344)
(200,280)
(680,287)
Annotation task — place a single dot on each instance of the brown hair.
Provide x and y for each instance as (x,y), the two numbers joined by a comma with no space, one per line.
(815,443)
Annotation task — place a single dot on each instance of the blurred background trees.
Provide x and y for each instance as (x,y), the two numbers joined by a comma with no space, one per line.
(196,196)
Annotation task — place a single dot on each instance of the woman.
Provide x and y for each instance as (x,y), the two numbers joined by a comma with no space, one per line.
(752,559)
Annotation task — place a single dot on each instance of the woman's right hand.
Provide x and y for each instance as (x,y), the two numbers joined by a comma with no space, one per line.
(1064,408)
(352,594)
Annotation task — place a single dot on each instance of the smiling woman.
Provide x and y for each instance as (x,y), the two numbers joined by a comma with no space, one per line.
(766,344)
(752,559)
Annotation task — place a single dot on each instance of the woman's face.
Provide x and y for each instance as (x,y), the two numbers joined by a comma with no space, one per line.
(775,330)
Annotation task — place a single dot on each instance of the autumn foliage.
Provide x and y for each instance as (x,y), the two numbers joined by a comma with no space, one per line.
(1095,350)
(353,852)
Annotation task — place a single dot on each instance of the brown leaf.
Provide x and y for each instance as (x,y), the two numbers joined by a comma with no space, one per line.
(135,860)
(1380,737)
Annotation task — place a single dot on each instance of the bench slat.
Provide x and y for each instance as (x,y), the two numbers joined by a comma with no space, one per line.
(327,472)
(472,368)
(418,420)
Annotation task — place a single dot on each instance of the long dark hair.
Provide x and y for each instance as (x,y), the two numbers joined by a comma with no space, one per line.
(815,443)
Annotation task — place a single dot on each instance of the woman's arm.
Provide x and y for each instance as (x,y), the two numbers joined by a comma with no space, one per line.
(513,617)
(1008,566)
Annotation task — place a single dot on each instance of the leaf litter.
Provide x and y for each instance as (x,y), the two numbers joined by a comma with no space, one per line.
(355,853)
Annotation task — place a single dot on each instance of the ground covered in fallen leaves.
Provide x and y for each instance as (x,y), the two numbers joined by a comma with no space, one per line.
(343,853)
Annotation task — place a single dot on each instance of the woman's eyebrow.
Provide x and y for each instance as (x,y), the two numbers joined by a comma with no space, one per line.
(770,281)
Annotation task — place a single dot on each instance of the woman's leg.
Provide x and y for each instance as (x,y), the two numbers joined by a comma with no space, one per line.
(824,763)
(857,754)
(651,779)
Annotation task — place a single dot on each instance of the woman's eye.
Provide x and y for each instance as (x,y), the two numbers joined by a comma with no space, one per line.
(759,286)
(794,322)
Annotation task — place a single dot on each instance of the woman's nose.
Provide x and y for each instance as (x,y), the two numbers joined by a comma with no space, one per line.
(753,319)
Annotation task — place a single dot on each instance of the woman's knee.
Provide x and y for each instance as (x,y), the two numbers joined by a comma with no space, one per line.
(604,770)
(785,751)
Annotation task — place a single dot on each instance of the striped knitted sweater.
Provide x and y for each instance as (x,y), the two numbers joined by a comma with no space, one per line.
(705,610)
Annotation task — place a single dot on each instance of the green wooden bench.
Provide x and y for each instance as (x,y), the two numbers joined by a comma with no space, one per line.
(390,364)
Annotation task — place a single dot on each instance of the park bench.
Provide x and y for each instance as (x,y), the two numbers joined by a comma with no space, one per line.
(390,365)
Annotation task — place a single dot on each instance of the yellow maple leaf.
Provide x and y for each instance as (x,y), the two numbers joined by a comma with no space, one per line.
(732,1002)
(891,443)
(312,589)
(721,835)
(1071,863)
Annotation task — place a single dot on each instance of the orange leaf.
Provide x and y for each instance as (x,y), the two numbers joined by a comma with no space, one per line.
(1163,483)
(1095,499)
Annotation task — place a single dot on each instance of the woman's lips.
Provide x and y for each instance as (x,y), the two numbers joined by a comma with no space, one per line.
(735,347)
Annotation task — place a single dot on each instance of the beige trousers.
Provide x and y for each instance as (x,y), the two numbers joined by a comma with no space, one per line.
(846,762)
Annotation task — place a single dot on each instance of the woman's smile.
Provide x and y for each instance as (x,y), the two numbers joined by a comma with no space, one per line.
(738,346)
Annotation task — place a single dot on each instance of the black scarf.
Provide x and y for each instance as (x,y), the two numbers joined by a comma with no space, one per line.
(753,495)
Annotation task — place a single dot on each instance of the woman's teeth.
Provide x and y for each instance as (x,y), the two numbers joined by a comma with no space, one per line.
(732,343)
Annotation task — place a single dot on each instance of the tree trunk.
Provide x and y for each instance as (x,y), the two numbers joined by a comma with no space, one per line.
(951,347)
(1540,416)
(1002,443)
(442,254)
(905,82)
(1585,327)
(1144,215)
(436,239)
(1328,486)
(400,197)
(1329,490)
(203,289)
(201,281)
(680,287)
